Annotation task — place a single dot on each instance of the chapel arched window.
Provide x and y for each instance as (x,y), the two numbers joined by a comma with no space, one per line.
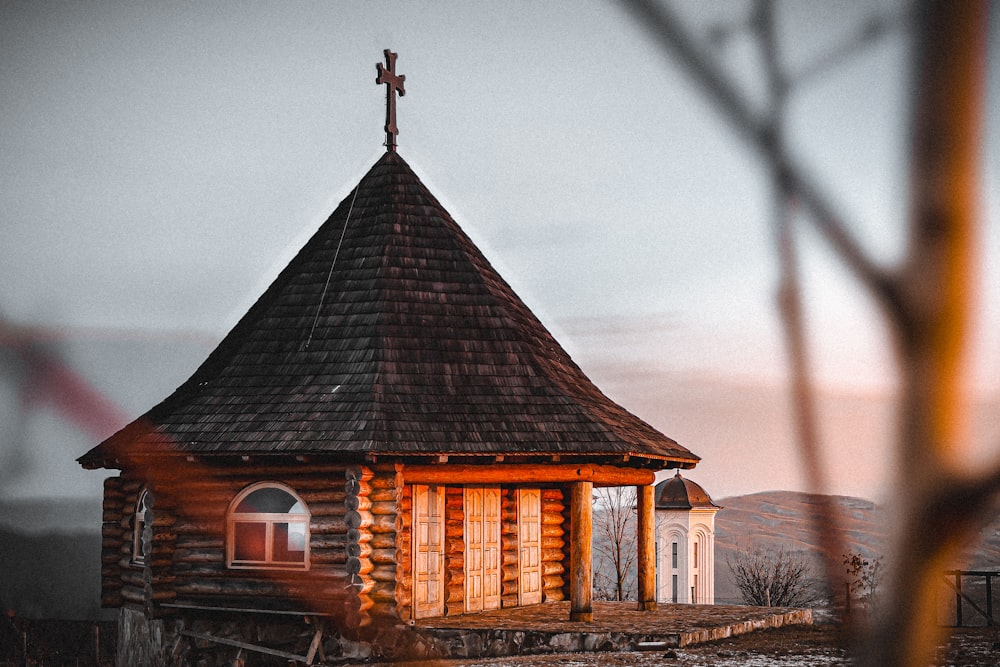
(139,527)
(267,528)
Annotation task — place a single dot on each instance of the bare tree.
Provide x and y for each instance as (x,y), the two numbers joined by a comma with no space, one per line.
(768,578)
(614,543)
(926,300)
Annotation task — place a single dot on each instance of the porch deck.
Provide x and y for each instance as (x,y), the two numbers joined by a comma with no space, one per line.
(617,626)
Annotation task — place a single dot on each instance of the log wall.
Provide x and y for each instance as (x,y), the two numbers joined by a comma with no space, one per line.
(509,548)
(555,546)
(360,544)
(112,534)
(186,542)
(454,550)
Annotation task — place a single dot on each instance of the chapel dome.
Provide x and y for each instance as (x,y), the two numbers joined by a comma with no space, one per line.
(679,493)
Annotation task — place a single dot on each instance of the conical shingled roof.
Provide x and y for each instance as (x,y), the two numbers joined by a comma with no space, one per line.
(390,333)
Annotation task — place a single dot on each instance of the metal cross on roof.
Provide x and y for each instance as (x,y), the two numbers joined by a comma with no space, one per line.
(393,83)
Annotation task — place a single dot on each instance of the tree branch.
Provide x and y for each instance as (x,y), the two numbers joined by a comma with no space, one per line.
(675,40)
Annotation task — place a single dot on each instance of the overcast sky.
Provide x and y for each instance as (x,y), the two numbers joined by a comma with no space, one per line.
(163,161)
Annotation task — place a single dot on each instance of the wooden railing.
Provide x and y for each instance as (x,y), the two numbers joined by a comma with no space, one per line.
(954,579)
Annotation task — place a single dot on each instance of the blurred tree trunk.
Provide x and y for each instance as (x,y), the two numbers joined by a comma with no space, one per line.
(938,508)
(938,505)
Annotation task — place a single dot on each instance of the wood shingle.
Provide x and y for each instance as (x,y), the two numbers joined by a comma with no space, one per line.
(390,333)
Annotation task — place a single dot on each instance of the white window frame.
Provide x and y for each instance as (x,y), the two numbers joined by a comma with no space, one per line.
(138,527)
(269,519)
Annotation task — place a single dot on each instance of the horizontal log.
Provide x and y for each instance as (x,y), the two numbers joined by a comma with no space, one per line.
(454,597)
(357,487)
(130,486)
(358,550)
(327,541)
(111,598)
(500,473)
(384,540)
(133,596)
(325,495)
(552,530)
(159,561)
(389,495)
(550,493)
(260,588)
(257,469)
(328,557)
(359,519)
(383,507)
(552,555)
(384,610)
(161,537)
(133,577)
(357,503)
(385,480)
(554,595)
(199,556)
(509,600)
(551,568)
(550,519)
(554,506)
(202,542)
(384,574)
(383,594)
(509,573)
(550,542)
(163,595)
(330,510)
(383,556)
(190,526)
(553,581)
(113,505)
(358,472)
(358,565)
(382,524)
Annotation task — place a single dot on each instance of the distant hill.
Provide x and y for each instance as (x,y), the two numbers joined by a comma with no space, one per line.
(784,519)
(51,515)
(56,576)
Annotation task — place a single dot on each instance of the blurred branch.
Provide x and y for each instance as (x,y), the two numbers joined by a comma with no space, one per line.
(676,41)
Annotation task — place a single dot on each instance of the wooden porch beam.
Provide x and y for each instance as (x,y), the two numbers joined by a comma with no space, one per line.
(533,473)
(581,592)
(646,544)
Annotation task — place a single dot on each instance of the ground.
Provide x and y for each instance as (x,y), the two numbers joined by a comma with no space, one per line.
(791,646)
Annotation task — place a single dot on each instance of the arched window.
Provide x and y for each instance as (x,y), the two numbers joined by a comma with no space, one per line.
(267,528)
(139,527)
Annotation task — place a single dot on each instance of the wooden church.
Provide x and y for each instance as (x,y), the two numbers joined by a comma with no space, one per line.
(388,434)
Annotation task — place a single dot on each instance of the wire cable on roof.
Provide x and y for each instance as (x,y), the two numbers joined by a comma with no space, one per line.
(329,275)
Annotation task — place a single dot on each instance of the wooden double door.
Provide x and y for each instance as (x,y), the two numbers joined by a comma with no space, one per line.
(482,537)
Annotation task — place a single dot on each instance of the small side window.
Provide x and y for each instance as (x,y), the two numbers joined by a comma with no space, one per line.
(268,528)
(139,527)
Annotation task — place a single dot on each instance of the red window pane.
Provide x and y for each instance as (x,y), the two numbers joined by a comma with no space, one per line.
(249,541)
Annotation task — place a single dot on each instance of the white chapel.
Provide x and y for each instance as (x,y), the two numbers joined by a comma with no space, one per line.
(685,526)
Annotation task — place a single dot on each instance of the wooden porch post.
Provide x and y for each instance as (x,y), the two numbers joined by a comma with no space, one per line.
(647,547)
(581,591)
